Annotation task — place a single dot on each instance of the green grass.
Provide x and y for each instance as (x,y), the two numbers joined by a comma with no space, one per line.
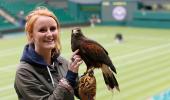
(142,61)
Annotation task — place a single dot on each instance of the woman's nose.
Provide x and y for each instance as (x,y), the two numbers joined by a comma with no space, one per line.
(49,33)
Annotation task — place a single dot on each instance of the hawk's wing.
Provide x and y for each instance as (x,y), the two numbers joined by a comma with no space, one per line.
(95,52)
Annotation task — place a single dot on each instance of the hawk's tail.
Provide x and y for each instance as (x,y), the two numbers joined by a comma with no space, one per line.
(109,78)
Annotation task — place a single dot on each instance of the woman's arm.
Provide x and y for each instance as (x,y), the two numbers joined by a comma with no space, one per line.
(29,87)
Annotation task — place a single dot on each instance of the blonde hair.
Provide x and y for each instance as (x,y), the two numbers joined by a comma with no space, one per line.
(33,16)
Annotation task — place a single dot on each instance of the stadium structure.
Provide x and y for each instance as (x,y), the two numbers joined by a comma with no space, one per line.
(73,12)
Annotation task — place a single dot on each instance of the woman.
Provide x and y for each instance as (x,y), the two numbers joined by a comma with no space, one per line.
(42,73)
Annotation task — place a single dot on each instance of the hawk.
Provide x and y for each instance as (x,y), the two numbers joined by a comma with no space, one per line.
(95,56)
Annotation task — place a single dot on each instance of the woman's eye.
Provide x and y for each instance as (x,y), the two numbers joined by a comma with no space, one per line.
(52,29)
(42,30)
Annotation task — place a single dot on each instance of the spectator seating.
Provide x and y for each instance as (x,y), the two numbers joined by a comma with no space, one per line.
(14,7)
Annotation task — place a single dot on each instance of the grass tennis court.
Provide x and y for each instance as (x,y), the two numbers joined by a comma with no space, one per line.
(142,61)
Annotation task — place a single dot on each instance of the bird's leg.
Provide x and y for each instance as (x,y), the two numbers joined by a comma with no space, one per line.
(87,70)
(90,71)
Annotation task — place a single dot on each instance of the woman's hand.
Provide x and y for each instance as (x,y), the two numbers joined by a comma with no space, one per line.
(75,62)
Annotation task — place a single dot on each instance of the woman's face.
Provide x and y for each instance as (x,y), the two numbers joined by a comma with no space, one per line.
(45,32)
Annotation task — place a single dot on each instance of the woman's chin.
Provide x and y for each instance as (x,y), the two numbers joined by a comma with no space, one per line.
(50,47)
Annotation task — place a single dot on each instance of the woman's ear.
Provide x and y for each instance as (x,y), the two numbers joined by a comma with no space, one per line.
(31,38)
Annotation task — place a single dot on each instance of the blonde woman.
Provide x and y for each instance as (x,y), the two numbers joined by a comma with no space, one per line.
(42,73)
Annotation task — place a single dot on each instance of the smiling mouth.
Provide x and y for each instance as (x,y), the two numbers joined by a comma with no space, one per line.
(49,41)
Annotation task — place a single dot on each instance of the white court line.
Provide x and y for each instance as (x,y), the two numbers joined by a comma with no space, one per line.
(143,58)
(145,50)
(7,87)
(141,88)
(7,67)
(9,97)
(146,38)
(9,52)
